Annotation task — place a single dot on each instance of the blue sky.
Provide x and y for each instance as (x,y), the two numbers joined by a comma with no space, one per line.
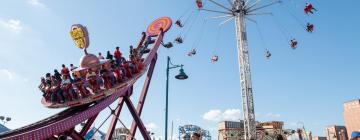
(306,85)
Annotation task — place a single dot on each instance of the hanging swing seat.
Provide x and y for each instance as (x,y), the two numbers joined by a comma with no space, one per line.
(214,59)
(293,44)
(192,52)
(179,24)
(178,40)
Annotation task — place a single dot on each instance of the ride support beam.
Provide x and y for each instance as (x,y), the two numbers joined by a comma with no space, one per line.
(115,118)
(142,97)
(75,135)
(87,126)
(137,119)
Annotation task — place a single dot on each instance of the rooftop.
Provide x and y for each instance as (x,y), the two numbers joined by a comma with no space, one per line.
(351,101)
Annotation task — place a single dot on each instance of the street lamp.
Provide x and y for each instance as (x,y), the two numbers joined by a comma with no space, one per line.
(180,76)
(5,119)
(152,134)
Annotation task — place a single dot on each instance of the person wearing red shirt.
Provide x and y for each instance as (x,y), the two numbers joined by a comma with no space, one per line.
(117,55)
(65,71)
(199,4)
(309,8)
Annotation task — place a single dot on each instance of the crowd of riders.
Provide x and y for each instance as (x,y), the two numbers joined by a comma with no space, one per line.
(76,83)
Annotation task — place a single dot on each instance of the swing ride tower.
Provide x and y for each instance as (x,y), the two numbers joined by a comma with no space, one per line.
(244,68)
(239,11)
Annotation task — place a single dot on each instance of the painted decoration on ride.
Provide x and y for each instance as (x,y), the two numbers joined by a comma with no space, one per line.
(160,23)
(80,36)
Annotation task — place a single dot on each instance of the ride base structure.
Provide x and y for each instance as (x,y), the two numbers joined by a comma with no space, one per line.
(88,109)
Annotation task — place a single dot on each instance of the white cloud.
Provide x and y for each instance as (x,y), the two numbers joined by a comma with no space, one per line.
(151,126)
(212,115)
(232,114)
(11,75)
(7,73)
(272,115)
(12,24)
(36,3)
(218,115)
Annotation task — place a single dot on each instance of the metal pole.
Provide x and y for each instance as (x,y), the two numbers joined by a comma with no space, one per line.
(245,75)
(167,96)
(172,130)
(143,96)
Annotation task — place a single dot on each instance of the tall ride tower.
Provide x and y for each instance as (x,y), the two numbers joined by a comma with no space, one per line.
(244,68)
(240,10)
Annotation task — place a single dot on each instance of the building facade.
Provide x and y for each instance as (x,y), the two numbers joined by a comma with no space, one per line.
(273,127)
(120,134)
(230,130)
(352,116)
(336,132)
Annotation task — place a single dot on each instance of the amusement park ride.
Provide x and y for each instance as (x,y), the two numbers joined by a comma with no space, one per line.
(88,107)
(240,11)
(92,103)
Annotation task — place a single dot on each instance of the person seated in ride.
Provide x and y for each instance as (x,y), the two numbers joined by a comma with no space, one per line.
(132,67)
(118,74)
(133,52)
(148,41)
(72,67)
(309,8)
(127,69)
(48,78)
(268,54)
(214,59)
(57,75)
(293,43)
(133,64)
(48,92)
(65,71)
(179,24)
(106,78)
(92,79)
(122,69)
(42,88)
(117,56)
(139,63)
(100,56)
(309,27)
(80,86)
(144,50)
(109,56)
(112,76)
(192,52)
(67,89)
(178,40)
(57,95)
(199,4)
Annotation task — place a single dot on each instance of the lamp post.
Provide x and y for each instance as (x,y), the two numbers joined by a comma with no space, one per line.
(180,76)
(5,119)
